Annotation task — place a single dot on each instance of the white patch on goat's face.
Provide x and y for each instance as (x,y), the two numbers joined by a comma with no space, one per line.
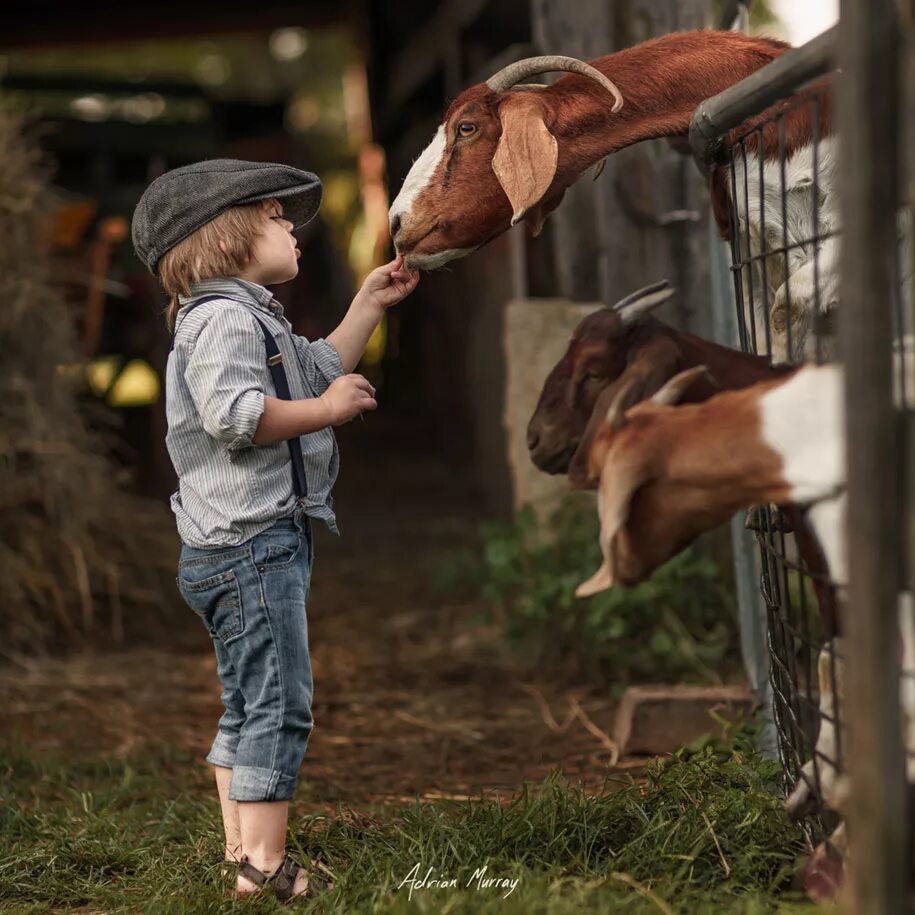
(419,175)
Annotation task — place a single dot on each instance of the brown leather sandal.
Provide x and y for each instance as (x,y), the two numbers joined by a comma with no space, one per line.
(282,880)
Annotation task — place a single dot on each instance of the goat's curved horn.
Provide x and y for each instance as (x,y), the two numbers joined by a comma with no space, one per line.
(673,390)
(531,66)
(637,304)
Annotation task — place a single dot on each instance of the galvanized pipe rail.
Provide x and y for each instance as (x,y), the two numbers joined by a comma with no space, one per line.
(721,113)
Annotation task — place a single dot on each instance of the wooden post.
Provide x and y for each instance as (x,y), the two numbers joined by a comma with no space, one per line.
(582,30)
(608,236)
(869,131)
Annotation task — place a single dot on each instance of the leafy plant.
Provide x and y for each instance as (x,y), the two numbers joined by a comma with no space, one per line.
(678,624)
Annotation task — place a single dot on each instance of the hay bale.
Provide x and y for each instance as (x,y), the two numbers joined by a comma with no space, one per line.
(81,558)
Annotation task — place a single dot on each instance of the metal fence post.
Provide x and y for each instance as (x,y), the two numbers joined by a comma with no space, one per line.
(869,132)
(751,608)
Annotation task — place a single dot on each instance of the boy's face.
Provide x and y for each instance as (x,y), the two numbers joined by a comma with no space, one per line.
(276,256)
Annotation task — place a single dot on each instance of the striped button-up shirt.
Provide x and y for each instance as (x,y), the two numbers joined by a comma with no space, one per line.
(230,489)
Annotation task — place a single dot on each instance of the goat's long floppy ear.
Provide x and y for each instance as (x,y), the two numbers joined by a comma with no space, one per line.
(625,470)
(672,391)
(639,303)
(525,159)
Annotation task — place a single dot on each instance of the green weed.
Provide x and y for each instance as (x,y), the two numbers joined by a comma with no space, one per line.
(677,625)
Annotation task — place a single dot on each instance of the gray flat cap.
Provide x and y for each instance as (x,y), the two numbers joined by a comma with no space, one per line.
(184,199)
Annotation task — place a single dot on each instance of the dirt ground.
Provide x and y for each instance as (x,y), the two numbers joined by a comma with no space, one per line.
(411,697)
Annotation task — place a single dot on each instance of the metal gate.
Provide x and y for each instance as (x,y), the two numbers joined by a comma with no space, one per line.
(786,200)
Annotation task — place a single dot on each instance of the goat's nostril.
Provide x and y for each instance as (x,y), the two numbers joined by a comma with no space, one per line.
(533,440)
(395,226)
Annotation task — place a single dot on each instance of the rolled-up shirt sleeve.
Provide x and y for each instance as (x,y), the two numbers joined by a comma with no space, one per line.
(225,375)
(320,362)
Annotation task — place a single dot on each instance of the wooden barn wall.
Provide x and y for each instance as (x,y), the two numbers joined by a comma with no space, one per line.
(606,239)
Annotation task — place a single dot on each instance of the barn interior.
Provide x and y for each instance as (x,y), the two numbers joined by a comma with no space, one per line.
(351,90)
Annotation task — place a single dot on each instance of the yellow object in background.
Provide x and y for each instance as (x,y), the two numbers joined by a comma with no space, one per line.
(136,386)
(100,373)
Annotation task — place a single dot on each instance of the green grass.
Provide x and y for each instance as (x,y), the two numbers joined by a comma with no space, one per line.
(700,834)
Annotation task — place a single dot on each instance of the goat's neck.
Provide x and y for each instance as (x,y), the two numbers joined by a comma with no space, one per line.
(662,82)
(729,368)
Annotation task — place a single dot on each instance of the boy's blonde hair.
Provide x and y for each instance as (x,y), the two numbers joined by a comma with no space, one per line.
(222,247)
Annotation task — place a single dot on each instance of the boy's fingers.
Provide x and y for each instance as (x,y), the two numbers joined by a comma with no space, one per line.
(363,384)
(394,267)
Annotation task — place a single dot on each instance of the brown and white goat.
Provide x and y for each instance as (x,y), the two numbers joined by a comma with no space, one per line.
(669,473)
(502,155)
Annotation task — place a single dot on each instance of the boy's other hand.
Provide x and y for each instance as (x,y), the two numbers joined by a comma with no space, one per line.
(347,397)
(387,285)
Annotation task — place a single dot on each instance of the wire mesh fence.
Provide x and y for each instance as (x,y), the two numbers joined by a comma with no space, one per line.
(778,174)
(769,248)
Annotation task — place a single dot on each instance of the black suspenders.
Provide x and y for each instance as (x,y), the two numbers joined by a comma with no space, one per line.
(281,383)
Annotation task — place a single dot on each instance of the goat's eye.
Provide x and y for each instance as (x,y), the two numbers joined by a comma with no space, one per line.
(466,129)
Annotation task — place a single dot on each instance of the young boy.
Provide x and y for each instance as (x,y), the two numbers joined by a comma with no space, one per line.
(254,464)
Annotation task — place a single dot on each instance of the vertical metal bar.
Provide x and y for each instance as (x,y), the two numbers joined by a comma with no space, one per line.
(815,143)
(764,251)
(782,154)
(748,253)
(869,194)
(736,260)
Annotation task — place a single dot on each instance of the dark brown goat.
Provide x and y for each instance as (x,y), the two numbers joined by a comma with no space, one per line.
(623,347)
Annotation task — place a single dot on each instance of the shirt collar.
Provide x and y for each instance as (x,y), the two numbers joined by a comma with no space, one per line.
(237,288)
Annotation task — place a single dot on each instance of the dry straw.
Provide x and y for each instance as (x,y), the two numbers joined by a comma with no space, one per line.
(81,558)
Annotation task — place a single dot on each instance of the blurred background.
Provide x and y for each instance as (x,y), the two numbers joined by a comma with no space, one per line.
(96,102)
(353,91)
(450,655)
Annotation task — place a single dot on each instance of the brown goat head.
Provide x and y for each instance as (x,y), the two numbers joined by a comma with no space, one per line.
(670,473)
(492,162)
(612,348)
(645,518)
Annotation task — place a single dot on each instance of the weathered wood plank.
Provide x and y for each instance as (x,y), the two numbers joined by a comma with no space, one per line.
(869,93)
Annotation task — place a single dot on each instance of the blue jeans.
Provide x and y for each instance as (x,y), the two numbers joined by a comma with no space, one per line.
(252,600)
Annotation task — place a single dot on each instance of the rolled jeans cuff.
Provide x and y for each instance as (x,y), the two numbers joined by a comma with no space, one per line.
(222,753)
(250,783)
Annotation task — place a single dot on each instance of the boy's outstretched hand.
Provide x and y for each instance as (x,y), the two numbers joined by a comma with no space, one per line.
(387,285)
(383,287)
